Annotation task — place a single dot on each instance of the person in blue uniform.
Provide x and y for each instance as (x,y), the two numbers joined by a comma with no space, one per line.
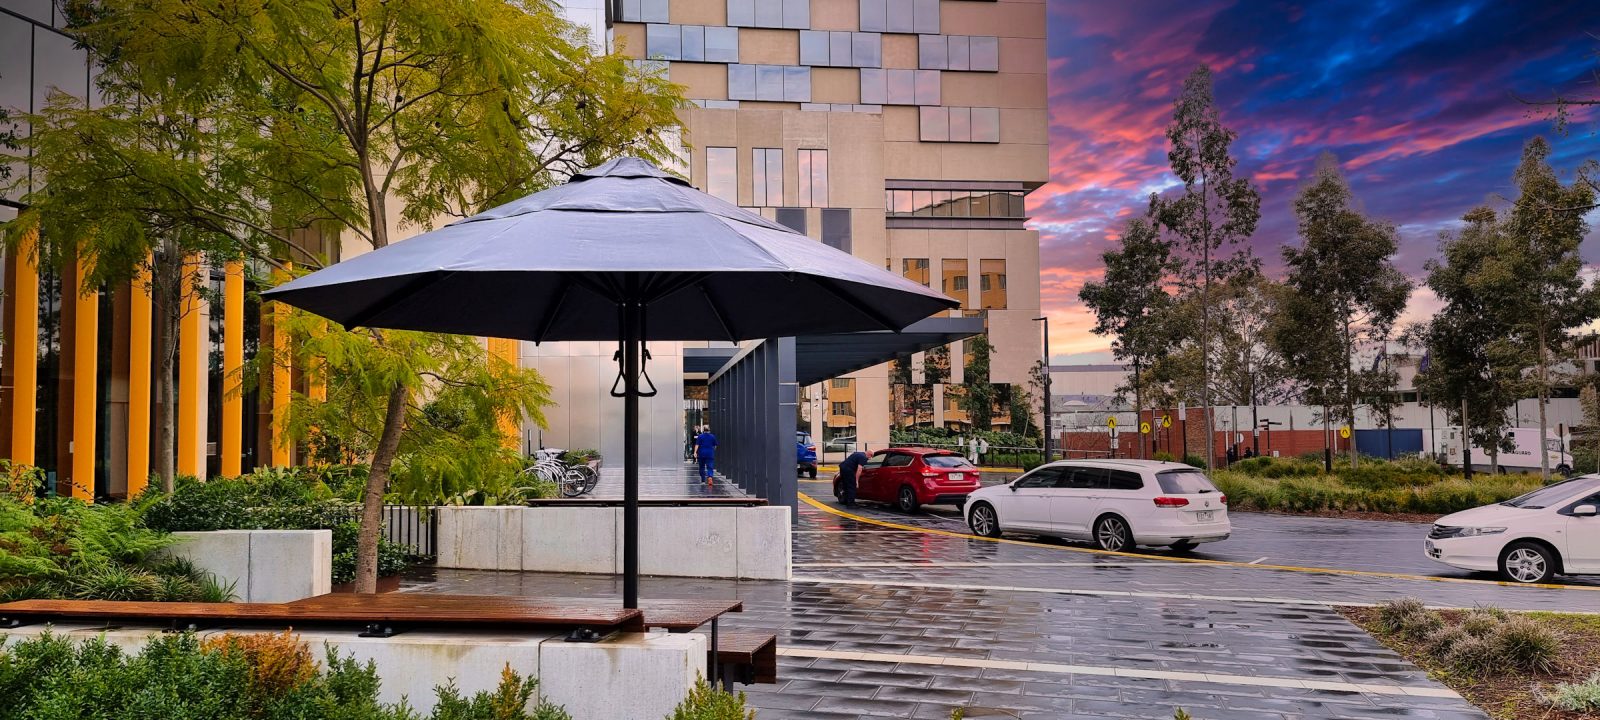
(849,470)
(705,451)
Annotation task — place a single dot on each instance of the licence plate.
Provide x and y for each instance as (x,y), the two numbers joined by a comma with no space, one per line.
(1205,515)
(956,476)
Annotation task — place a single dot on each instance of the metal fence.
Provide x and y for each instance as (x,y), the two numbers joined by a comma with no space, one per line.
(414,528)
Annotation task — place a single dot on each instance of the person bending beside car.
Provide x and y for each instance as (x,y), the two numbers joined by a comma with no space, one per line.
(848,471)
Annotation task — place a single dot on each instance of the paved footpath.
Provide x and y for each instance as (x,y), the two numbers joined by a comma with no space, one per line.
(895,616)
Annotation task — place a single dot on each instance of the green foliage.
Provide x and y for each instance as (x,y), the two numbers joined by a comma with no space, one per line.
(1291,486)
(392,558)
(1481,641)
(1131,303)
(1578,697)
(976,396)
(508,702)
(1181,714)
(709,703)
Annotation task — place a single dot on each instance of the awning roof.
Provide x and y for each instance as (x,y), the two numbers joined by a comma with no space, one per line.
(820,357)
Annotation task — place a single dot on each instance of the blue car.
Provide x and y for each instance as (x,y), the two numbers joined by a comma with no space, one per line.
(805,454)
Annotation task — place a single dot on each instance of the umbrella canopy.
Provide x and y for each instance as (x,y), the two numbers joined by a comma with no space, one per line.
(623,252)
(554,266)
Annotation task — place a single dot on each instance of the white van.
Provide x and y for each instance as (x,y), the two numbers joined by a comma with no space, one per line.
(1523,458)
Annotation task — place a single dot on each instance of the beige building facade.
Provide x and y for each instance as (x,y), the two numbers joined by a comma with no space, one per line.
(906,132)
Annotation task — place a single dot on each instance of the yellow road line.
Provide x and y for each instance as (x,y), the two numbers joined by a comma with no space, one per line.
(835,468)
(807,499)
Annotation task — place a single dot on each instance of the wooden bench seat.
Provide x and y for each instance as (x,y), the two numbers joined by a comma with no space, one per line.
(746,657)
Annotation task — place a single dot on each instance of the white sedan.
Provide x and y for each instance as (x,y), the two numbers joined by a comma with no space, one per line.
(1554,530)
(1118,504)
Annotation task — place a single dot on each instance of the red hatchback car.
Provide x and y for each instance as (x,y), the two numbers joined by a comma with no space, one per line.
(912,477)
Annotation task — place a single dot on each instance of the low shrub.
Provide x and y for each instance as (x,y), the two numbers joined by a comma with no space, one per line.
(1577,697)
(1409,617)
(1523,644)
(1432,494)
(1482,640)
(709,703)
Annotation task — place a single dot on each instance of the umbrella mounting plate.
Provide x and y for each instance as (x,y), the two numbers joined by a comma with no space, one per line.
(587,635)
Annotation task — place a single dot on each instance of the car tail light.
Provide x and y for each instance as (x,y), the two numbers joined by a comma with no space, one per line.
(1171,502)
(812,448)
(1224,499)
(928,474)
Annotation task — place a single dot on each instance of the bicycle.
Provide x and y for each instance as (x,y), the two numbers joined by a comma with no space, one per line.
(573,479)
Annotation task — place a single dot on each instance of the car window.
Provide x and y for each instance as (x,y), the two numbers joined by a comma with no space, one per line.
(946,461)
(897,460)
(1042,478)
(802,438)
(1184,482)
(1123,480)
(875,462)
(1550,494)
(1085,478)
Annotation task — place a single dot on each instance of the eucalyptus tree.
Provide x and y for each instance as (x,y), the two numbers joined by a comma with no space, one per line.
(1344,263)
(1212,217)
(1131,302)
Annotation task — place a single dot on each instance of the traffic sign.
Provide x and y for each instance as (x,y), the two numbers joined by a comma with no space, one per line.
(1111,422)
(1344,432)
(1144,428)
(1166,421)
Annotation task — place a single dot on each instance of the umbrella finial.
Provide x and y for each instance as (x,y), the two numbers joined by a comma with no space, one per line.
(628,167)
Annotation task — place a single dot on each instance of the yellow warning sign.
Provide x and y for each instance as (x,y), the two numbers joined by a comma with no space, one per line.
(1144,428)
(1111,422)
(1344,432)
(1166,421)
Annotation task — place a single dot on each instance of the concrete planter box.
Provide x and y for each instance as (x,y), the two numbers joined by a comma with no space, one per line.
(630,675)
(750,543)
(263,565)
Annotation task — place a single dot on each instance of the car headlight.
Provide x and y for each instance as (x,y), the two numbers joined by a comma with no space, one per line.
(1476,531)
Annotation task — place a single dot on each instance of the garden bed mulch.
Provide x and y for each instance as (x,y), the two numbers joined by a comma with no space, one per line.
(1506,695)
(1424,518)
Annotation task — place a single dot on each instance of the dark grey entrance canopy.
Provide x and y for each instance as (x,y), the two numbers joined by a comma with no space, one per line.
(830,355)
(623,252)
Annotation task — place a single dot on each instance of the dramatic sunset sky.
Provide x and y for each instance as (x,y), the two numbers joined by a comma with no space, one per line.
(1415,97)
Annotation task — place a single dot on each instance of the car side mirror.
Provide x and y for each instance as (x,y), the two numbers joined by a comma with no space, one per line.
(1585,511)
(1013,487)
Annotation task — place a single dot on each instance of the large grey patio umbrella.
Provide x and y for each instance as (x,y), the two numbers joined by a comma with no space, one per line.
(623,252)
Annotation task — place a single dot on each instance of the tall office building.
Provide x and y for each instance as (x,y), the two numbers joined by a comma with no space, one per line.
(906,132)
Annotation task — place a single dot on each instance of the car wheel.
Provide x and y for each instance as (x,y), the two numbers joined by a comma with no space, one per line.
(1563,470)
(1526,562)
(1111,533)
(838,490)
(984,521)
(908,499)
(1183,546)
(812,473)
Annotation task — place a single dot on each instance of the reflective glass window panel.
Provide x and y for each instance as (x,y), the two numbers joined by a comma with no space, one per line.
(899,17)
(903,202)
(741,82)
(960,124)
(953,279)
(931,52)
(742,13)
(836,229)
(797,84)
(922,203)
(986,125)
(694,43)
(873,15)
(653,11)
(926,17)
(874,87)
(722,44)
(813,47)
(927,92)
(960,203)
(792,218)
(632,12)
(767,187)
(993,290)
(941,203)
(16,50)
(839,49)
(935,124)
(769,13)
(915,270)
(985,53)
(902,87)
(722,173)
(1019,205)
(57,67)
(813,175)
(796,13)
(866,49)
(958,52)
(769,82)
(663,42)
(981,204)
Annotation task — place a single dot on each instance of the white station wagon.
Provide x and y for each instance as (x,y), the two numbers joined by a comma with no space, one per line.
(1118,504)
(1554,530)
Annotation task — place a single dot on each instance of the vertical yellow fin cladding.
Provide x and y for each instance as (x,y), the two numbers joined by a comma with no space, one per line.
(231,450)
(506,350)
(25,331)
(281,374)
(191,338)
(139,375)
(85,381)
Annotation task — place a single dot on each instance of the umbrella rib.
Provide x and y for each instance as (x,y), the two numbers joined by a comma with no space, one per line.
(716,312)
(871,313)
(555,309)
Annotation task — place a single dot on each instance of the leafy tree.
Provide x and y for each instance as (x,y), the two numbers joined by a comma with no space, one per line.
(1348,288)
(977,395)
(448,108)
(904,391)
(1545,297)
(935,372)
(1215,212)
(1131,302)
(1019,402)
(1562,108)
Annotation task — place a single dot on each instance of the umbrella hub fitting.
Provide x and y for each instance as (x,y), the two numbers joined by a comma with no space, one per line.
(619,386)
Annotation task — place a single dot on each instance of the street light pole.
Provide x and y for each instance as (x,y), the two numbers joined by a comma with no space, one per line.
(1047,438)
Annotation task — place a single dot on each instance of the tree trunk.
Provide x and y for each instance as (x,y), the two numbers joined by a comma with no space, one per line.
(1327,440)
(166,277)
(1544,426)
(1138,410)
(1466,442)
(1350,388)
(377,483)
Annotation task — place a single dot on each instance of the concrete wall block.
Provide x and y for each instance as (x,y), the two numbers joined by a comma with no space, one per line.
(288,565)
(508,537)
(571,539)
(687,542)
(631,675)
(470,538)
(764,547)
(223,553)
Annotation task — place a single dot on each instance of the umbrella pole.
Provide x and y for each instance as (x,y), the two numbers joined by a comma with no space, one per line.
(631,335)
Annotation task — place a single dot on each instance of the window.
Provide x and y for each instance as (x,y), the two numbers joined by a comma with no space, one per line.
(793,14)
(992,284)
(960,203)
(813,175)
(898,460)
(840,382)
(1045,477)
(1085,478)
(792,218)
(663,42)
(840,48)
(1123,480)
(954,279)
(722,44)
(775,83)
(978,53)
(645,11)
(896,86)
(836,229)
(844,408)
(946,461)
(1184,482)
(959,124)
(694,43)
(767,167)
(722,173)
(915,269)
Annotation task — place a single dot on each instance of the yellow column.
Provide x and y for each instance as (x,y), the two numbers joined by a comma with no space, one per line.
(510,425)
(139,382)
(85,359)
(316,379)
(25,344)
(281,374)
(190,339)
(232,441)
